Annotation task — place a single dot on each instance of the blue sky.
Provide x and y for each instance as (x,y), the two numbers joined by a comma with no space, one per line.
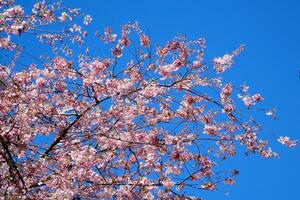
(271,32)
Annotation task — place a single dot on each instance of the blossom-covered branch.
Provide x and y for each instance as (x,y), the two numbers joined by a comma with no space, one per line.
(138,123)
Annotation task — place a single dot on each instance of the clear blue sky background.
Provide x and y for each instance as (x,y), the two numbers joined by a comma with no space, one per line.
(270,29)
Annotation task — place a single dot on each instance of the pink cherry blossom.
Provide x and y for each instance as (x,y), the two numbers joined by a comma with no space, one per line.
(286,141)
(223,63)
(145,41)
(210,129)
(208,186)
(133,122)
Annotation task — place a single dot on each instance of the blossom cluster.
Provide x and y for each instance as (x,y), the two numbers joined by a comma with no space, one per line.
(121,126)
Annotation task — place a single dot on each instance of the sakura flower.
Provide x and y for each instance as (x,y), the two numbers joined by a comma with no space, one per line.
(145,41)
(247,101)
(17,29)
(268,153)
(87,20)
(257,97)
(116,131)
(124,41)
(98,66)
(40,82)
(196,63)
(166,70)
(117,51)
(144,181)
(226,92)
(208,186)
(172,169)
(5,42)
(151,67)
(228,108)
(286,141)
(245,88)
(13,11)
(271,113)
(60,86)
(63,17)
(210,129)
(167,183)
(75,28)
(152,90)
(229,181)
(108,36)
(221,64)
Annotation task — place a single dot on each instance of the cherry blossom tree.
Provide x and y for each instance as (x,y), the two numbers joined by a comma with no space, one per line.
(143,122)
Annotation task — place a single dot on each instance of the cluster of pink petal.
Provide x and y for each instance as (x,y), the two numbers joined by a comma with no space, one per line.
(223,63)
(166,71)
(286,141)
(117,128)
(249,100)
